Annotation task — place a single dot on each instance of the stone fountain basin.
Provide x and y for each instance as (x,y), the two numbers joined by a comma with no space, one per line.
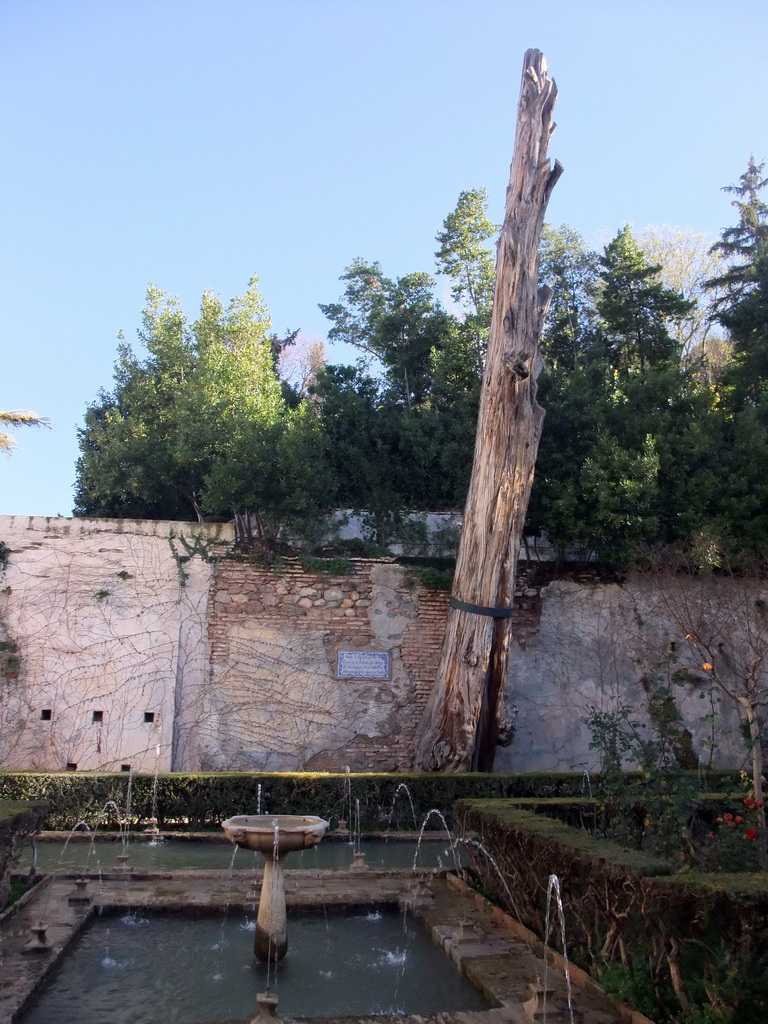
(257,831)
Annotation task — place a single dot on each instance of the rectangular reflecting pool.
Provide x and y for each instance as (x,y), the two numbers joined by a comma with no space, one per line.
(147,967)
(186,854)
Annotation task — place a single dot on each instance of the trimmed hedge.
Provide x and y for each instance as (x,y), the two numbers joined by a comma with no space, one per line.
(552,831)
(688,947)
(18,821)
(204,799)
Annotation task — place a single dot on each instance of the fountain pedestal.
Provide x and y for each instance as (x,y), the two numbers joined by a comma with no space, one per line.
(274,836)
(267,1003)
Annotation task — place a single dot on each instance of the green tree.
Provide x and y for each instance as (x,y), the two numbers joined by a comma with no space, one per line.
(740,505)
(742,307)
(572,272)
(231,388)
(400,427)
(739,245)
(398,322)
(635,308)
(363,434)
(624,454)
(201,425)
(463,257)
(746,320)
(126,467)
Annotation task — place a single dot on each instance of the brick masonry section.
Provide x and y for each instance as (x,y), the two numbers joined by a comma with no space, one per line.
(275,700)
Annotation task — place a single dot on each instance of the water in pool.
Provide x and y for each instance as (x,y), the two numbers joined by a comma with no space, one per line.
(143,968)
(170,855)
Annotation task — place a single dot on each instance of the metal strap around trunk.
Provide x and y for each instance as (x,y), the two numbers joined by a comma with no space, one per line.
(479,609)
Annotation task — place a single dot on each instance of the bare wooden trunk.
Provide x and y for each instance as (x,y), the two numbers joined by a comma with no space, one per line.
(460,728)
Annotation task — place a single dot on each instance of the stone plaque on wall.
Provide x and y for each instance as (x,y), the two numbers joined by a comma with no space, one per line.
(363,665)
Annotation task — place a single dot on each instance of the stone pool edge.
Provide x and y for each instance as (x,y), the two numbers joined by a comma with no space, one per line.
(496,953)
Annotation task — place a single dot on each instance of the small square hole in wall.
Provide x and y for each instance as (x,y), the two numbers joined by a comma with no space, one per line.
(97,716)
(149,716)
(125,767)
(46,715)
(71,766)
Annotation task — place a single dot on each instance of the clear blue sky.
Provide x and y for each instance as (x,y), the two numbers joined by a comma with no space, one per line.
(191,143)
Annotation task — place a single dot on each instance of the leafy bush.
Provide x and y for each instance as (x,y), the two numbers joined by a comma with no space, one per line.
(687,948)
(203,800)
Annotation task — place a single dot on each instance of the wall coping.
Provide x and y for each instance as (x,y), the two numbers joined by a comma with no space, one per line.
(62,526)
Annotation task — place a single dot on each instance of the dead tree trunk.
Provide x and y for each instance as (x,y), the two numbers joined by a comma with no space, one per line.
(460,728)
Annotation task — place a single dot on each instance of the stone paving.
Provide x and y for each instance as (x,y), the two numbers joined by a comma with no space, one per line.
(494,952)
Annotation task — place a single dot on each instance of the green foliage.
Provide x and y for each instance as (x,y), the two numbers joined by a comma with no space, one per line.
(387,461)
(644,446)
(635,309)
(746,379)
(199,546)
(19,821)
(626,456)
(465,260)
(20,886)
(679,948)
(631,985)
(432,578)
(659,812)
(356,547)
(572,271)
(730,844)
(204,799)
(576,841)
(200,427)
(741,244)
(401,425)
(5,554)
(398,322)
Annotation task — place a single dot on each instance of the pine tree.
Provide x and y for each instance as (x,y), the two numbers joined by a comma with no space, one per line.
(635,308)
(743,306)
(739,245)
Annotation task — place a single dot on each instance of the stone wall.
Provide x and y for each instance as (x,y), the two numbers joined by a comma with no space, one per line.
(108,619)
(276,700)
(590,645)
(146,644)
(154,645)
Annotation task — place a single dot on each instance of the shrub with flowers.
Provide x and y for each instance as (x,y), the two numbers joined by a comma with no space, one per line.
(731,842)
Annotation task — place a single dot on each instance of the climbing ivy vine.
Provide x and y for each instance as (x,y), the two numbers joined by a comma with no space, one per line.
(200,546)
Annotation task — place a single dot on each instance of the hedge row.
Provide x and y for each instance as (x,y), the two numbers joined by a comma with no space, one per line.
(676,947)
(18,821)
(203,800)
